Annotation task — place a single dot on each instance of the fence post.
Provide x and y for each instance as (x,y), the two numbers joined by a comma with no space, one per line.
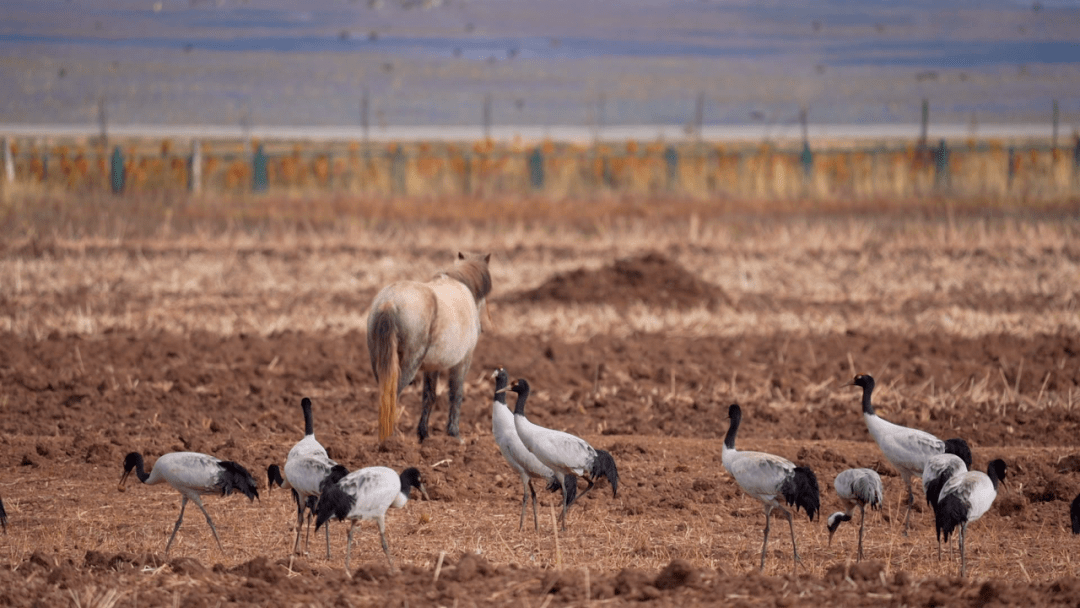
(807,160)
(195,184)
(1012,166)
(259,179)
(116,171)
(924,130)
(1076,160)
(536,169)
(671,159)
(397,170)
(9,162)
(941,166)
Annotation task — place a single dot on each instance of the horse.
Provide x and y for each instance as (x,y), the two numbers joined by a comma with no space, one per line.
(430,327)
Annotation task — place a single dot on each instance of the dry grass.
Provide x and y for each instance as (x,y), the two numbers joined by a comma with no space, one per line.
(965,277)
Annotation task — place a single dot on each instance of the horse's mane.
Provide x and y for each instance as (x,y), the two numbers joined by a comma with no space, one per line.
(473,272)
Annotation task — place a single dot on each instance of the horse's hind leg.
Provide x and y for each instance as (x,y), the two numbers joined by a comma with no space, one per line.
(456,391)
(431,379)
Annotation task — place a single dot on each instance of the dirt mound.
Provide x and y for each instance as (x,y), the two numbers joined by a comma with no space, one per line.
(650,278)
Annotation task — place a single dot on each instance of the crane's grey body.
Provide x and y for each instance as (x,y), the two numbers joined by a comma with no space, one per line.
(939,469)
(524,462)
(305,469)
(367,494)
(568,456)
(906,449)
(773,480)
(856,487)
(193,475)
(965,498)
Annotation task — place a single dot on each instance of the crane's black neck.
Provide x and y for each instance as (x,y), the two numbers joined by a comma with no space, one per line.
(996,472)
(735,414)
(520,387)
(500,386)
(134,460)
(309,422)
(867,391)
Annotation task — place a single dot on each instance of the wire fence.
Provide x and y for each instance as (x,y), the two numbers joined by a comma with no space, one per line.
(488,168)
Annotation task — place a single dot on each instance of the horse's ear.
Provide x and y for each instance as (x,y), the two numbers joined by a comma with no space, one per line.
(460,256)
(487,258)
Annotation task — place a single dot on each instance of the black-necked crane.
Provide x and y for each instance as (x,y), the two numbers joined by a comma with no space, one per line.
(856,487)
(905,448)
(367,494)
(306,467)
(192,474)
(965,498)
(1074,514)
(773,480)
(3,516)
(563,453)
(524,463)
(939,469)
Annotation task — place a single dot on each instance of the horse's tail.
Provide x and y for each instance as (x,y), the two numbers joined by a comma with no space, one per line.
(383,341)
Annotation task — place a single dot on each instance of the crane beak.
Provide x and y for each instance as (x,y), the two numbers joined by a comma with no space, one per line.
(502,390)
(123,478)
(423,491)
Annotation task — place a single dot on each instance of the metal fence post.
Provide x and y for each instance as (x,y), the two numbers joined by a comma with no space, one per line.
(671,159)
(259,179)
(116,171)
(397,170)
(807,160)
(195,172)
(536,169)
(9,162)
(1012,167)
(941,166)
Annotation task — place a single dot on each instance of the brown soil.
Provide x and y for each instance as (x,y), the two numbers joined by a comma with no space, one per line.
(679,533)
(650,278)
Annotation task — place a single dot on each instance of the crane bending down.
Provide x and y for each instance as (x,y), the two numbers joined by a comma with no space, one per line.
(855,487)
(306,467)
(905,448)
(773,480)
(367,494)
(563,453)
(192,474)
(965,498)
(524,463)
(939,469)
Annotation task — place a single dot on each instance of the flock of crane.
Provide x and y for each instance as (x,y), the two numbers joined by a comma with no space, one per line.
(325,490)
(434,327)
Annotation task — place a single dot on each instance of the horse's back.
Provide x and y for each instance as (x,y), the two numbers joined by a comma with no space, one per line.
(457,324)
(439,317)
(411,304)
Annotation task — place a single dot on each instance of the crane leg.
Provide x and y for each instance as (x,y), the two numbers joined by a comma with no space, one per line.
(765,543)
(198,503)
(299,521)
(565,505)
(963,563)
(536,518)
(183,504)
(307,537)
(794,549)
(524,500)
(862,522)
(327,540)
(910,503)
(385,545)
(348,549)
